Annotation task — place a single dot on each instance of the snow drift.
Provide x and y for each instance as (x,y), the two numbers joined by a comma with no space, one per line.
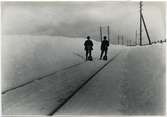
(143,86)
(28,57)
(139,72)
(25,58)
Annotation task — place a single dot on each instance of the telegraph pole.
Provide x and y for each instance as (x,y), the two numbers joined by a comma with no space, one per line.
(122,40)
(142,20)
(136,38)
(128,43)
(101,34)
(146,29)
(118,39)
(108,30)
(141,23)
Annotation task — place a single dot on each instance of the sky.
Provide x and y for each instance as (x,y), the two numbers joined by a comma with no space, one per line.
(79,19)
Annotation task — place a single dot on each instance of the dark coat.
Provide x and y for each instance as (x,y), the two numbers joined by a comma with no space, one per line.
(104,45)
(88,45)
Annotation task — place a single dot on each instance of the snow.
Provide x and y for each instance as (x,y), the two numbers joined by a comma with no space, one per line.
(100,96)
(133,83)
(144,85)
(42,96)
(25,58)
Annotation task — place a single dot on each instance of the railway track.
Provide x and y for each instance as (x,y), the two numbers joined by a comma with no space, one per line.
(66,98)
(81,86)
(42,77)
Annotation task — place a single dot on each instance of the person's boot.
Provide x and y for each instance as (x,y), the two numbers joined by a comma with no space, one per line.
(100,57)
(105,57)
(86,58)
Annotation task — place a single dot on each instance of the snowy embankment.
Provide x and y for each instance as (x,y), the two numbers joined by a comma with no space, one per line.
(28,57)
(143,85)
(25,58)
(136,76)
(132,84)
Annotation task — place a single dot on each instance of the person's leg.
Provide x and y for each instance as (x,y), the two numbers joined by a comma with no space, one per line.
(90,52)
(106,52)
(86,54)
(102,51)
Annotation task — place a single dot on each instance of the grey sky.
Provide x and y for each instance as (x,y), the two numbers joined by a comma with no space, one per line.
(79,19)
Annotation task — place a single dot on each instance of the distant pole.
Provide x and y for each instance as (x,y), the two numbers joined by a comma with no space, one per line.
(130,42)
(127,42)
(118,39)
(108,30)
(122,40)
(136,38)
(146,29)
(141,23)
(101,33)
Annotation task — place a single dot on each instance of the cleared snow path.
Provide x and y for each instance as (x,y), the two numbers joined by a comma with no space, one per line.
(42,77)
(102,94)
(134,83)
(82,85)
(44,95)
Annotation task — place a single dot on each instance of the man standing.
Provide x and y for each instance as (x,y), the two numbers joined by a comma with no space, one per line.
(88,48)
(104,48)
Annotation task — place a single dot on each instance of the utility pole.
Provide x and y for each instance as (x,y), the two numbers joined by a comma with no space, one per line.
(146,29)
(108,30)
(141,23)
(118,39)
(100,33)
(142,20)
(122,40)
(136,38)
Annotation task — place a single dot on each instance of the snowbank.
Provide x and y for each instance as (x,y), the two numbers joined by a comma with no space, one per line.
(25,58)
(28,57)
(32,56)
(132,84)
(143,85)
(140,73)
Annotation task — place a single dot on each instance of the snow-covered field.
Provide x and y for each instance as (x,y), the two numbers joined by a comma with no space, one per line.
(138,72)
(25,58)
(132,84)
(143,85)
